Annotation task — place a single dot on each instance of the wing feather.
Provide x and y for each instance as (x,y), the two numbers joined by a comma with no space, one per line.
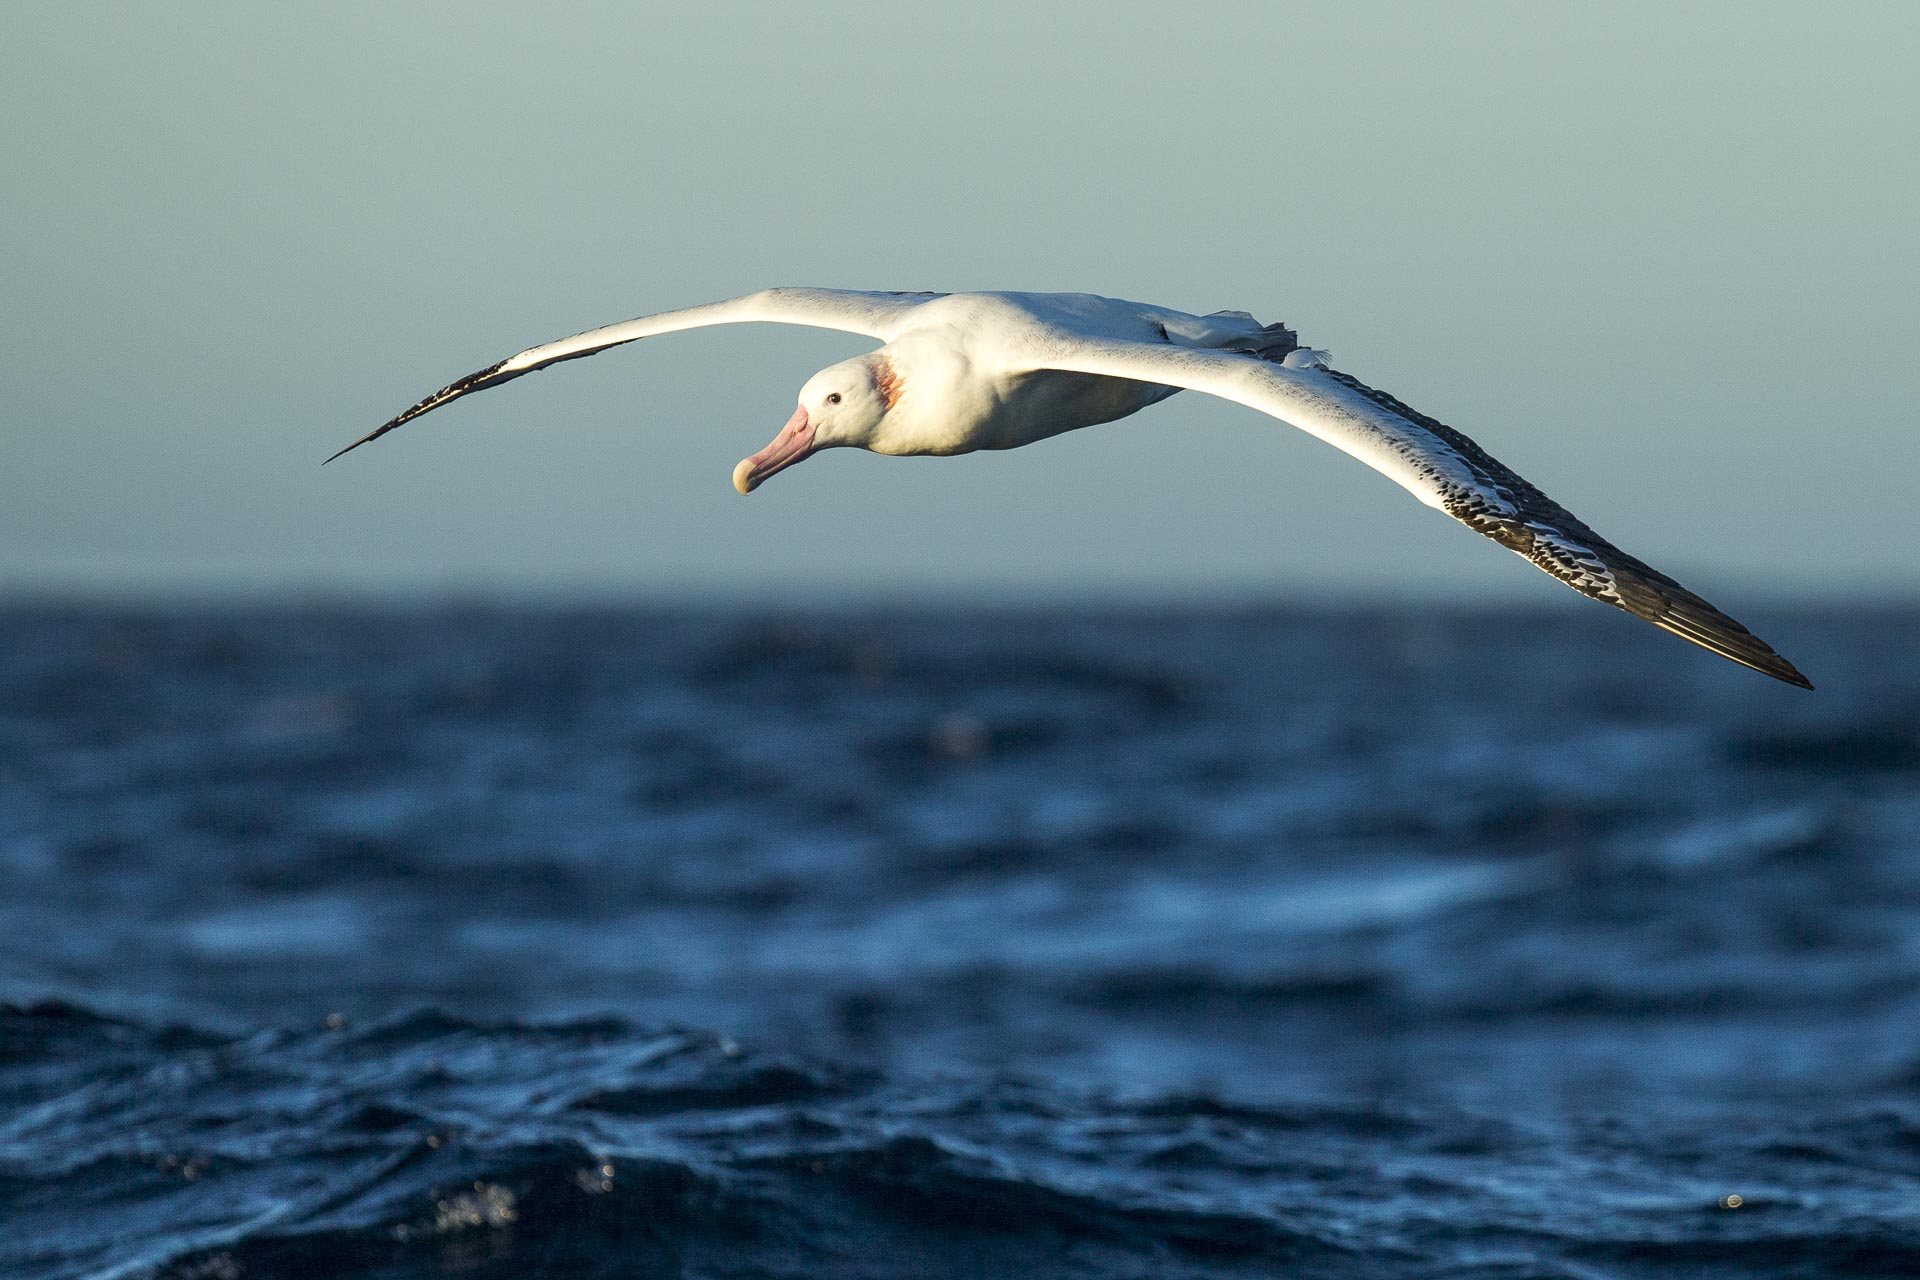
(876,315)
(1444,469)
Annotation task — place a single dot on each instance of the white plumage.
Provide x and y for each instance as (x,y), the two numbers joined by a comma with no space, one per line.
(965,371)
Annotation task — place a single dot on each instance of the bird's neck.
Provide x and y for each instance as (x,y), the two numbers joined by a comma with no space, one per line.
(934,403)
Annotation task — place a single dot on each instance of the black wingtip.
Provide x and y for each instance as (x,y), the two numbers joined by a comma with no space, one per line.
(381,430)
(491,376)
(1697,622)
(1777,667)
(1791,675)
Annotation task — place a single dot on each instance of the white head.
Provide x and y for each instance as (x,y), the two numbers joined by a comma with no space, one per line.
(841,405)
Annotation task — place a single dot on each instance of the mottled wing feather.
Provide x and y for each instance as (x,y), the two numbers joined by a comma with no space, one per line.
(491,376)
(851,311)
(1529,523)
(1439,465)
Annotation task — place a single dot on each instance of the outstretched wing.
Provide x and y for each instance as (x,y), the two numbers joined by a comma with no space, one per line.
(1438,465)
(874,314)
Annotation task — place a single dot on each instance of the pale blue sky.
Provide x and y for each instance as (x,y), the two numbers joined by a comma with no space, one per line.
(1660,259)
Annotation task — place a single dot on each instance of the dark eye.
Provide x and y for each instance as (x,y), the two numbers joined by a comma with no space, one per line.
(833,397)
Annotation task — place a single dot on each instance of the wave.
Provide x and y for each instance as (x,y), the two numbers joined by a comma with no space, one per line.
(431,1142)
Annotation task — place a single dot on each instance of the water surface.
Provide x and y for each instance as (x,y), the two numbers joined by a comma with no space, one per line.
(509,942)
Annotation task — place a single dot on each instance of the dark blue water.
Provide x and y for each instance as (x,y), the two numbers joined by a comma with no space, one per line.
(596,943)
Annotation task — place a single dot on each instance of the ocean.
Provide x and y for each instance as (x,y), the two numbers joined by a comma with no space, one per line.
(529,941)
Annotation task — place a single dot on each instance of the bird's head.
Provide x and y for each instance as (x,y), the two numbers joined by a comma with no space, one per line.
(842,405)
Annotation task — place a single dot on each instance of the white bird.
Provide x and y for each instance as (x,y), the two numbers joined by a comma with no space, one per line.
(966,371)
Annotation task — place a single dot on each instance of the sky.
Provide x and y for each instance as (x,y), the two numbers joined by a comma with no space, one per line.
(1659,259)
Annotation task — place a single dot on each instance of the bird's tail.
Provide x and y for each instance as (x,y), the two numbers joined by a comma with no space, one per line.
(1271,342)
(1275,343)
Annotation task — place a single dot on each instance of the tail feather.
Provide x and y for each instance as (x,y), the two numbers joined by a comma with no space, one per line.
(1275,343)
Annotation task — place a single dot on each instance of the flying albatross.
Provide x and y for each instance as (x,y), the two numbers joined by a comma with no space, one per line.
(966,371)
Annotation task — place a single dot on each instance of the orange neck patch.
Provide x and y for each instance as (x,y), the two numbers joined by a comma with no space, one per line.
(886,381)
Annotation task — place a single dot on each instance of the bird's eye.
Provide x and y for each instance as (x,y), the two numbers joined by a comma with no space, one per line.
(833,397)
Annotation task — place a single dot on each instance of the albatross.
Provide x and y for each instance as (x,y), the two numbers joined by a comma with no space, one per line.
(964,371)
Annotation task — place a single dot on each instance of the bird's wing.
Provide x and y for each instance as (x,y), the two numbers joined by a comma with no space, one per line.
(1438,465)
(877,315)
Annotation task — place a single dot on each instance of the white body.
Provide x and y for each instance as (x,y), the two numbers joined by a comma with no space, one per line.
(974,383)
